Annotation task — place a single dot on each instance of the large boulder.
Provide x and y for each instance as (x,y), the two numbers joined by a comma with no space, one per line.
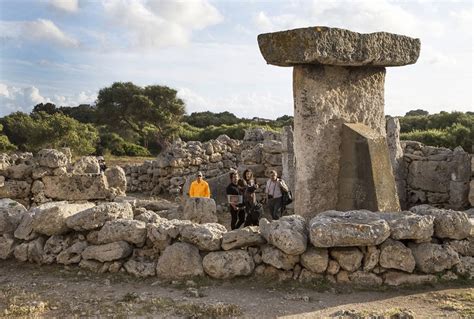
(463,247)
(433,258)
(95,217)
(242,237)
(11,213)
(206,237)
(315,259)
(228,264)
(77,187)
(178,261)
(395,255)
(465,267)
(7,245)
(200,210)
(116,179)
(447,223)
(278,259)
(52,158)
(406,225)
(289,233)
(86,165)
(50,218)
(349,259)
(163,231)
(20,171)
(15,189)
(351,228)
(132,231)
(24,231)
(107,252)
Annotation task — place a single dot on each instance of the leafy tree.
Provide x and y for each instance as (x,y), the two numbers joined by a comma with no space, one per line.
(126,106)
(49,108)
(418,112)
(5,145)
(205,119)
(113,143)
(84,113)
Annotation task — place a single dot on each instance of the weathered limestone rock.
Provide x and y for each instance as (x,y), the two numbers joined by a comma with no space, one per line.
(107,252)
(278,259)
(140,268)
(272,147)
(163,231)
(228,264)
(349,259)
(96,216)
(76,187)
(180,260)
(429,176)
(205,236)
(7,245)
(333,267)
(116,179)
(396,157)
(94,266)
(15,189)
(367,279)
(21,252)
(52,158)
(20,171)
(333,46)
(465,267)
(288,157)
(405,225)
(50,218)
(327,95)
(200,210)
(315,259)
(395,255)
(365,177)
(72,255)
(53,246)
(447,223)
(11,213)
(398,278)
(463,247)
(35,250)
(289,233)
(343,229)
(242,237)
(433,258)
(371,258)
(86,165)
(132,231)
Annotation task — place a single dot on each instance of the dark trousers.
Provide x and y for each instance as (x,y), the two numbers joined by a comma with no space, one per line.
(274,205)
(237,217)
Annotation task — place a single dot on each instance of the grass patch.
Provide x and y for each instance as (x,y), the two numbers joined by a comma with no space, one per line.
(19,303)
(460,302)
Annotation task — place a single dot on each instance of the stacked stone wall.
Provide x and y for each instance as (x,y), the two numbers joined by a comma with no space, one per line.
(51,175)
(357,247)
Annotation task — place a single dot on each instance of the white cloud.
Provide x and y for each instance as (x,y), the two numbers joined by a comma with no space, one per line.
(70,6)
(359,15)
(161,23)
(13,99)
(40,30)
(430,56)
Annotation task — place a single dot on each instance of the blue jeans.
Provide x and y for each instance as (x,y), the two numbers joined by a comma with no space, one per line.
(274,204)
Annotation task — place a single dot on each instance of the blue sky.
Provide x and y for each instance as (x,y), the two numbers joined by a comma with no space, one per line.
(64,51)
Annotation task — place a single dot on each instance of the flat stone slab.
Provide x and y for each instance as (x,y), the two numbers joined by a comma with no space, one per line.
(334,46)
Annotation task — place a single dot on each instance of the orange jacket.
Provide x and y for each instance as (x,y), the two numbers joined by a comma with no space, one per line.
(199,189)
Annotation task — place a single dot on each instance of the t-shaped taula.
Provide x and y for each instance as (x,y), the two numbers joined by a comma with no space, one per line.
(338,78)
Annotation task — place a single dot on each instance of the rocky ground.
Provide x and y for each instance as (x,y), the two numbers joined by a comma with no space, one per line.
(55,291)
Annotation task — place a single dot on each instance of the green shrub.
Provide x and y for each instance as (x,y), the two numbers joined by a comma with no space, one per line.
(131,149)
(5,145)
(113,143)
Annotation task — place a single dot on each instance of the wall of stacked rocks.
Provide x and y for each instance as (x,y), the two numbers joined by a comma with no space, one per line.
(50,175)
(420,246)
(173,170)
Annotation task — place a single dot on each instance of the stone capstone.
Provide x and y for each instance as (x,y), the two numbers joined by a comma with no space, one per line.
(289,233)
(334,46)
(50,218)
(107,252)
(228,264)
(95,217)
(351,228)
(242,237)
(178,261)
(206,237)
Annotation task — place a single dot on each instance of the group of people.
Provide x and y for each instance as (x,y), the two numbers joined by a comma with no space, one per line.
(243,206)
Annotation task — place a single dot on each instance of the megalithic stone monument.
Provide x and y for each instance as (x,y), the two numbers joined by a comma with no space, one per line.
(338,78)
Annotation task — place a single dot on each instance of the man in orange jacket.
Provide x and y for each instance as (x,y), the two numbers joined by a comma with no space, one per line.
(199,187)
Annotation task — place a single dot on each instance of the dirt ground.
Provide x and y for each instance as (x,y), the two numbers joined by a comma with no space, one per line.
(28,290)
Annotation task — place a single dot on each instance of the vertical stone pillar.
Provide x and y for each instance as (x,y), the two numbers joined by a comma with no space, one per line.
(288,157)
(338,77)
(396,158)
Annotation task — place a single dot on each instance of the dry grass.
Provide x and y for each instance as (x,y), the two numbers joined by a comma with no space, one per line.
(462,303)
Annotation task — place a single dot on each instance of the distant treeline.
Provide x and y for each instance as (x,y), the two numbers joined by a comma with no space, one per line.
(140,121)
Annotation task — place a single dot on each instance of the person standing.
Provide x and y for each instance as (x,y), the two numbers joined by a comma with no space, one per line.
(199,187)
(235,199)
(273,190)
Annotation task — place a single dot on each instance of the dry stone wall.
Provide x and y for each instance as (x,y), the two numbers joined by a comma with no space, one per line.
(365,248)
(51,175)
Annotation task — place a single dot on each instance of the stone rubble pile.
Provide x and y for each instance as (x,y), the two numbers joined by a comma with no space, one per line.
(132,236)
(173,170)
(50,175)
